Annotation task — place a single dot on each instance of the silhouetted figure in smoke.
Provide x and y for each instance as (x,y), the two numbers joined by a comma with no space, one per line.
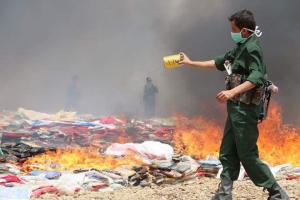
(73,95)
(150,91)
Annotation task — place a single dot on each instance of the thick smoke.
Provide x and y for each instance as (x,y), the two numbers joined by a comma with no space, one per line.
(113,45)
(205,32)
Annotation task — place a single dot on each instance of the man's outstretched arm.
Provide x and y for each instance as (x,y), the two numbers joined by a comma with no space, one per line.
(184,59)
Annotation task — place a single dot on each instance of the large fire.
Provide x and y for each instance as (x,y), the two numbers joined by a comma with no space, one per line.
(77,158)
(197,137)
(278,143)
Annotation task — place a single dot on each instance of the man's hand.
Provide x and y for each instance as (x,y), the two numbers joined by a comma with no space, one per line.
(184,59)
(225,95)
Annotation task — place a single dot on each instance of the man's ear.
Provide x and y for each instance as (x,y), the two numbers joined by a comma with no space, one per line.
(245,33)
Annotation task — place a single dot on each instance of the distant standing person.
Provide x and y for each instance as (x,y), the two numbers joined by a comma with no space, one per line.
(73,95)
(150,91)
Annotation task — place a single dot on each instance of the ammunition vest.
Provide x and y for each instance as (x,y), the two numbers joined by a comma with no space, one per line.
(253,96)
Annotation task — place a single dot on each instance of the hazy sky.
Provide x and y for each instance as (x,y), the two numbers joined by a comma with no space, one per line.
(113,45)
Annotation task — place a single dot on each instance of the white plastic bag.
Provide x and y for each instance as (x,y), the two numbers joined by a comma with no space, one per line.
(148,149)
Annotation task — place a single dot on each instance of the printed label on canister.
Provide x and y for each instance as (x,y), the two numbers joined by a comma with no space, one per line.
(171,61)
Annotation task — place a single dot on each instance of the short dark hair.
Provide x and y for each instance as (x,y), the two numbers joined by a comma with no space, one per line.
(243,19)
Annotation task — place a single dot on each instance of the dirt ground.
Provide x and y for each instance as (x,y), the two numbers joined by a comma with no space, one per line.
(196,189)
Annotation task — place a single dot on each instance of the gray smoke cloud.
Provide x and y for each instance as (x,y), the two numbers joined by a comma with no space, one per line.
(113,45)
(205,32)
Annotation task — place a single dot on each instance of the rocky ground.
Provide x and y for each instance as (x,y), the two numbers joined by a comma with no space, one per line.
(202,188)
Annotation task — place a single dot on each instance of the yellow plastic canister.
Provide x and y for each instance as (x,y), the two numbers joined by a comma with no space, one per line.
(171,62)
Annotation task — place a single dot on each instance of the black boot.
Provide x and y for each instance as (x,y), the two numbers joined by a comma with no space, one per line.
(224,191)
(277,193)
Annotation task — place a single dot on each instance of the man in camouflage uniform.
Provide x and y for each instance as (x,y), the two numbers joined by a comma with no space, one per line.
(246,75)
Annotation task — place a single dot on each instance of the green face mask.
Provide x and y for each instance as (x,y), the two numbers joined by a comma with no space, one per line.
(237,37)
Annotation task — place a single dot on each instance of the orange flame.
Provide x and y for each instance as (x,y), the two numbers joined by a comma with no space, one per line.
(278,142)
(78,158)
(197,137)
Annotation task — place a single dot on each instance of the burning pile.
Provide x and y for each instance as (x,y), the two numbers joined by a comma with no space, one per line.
(65,153)
(77,158)
(278,142)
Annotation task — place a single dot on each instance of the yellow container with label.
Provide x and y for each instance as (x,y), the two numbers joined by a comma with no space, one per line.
(171,62)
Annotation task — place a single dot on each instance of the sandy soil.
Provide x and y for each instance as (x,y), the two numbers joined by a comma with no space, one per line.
(196,189)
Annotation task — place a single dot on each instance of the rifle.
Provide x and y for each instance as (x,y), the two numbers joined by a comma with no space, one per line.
(269,87)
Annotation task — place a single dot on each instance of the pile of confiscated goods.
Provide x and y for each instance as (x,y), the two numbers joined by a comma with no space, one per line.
(117,153)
